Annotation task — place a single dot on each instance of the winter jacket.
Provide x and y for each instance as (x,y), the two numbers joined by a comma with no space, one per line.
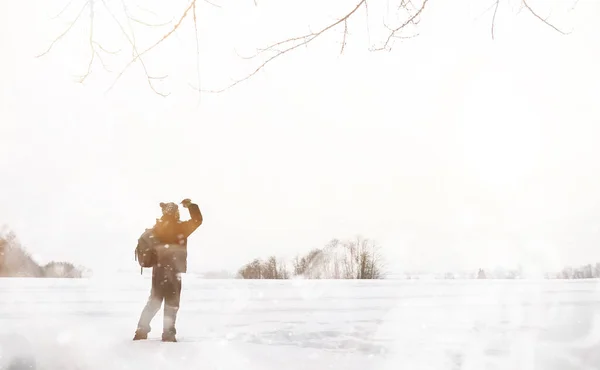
(173,234)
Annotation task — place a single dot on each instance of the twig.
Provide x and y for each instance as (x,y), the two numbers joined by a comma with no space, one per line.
(91,43)
(367,22)
(146,10)
(63,10)
(106,51)
(394,31)
(345,35)
(197,53)
(66,31)
(136,20)
(211,3)
(575,4)
(129,20)
(486,10)
(102,62)
(273,46)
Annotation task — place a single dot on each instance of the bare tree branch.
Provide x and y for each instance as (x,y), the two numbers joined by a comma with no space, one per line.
(290,45)
(411,13)
(146,10)
(136,56)
(102,62)
(542,19)
(197,53)
(493,4)
(494,17)
(367,22)
(139,55)
(91,42)
(71,24)
(411,20)
(185,14)
(213,4)
(345,35)
(63,10)
(136,20)
(129,20)
(106,51)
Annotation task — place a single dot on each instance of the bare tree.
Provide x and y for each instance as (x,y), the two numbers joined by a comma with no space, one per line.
(298,266)
(16,261)
(356,258)
(3,250)
(61,270)
(282,271)
(362,260)
(307,264)
(253,270)
(404,17)
(272,268)
(269,270)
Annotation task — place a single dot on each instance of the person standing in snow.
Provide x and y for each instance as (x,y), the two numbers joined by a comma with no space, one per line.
(171,261)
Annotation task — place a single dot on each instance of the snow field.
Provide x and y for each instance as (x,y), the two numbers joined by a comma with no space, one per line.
(300,324)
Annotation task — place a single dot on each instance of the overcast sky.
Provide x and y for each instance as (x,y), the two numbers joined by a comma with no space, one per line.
(451,151)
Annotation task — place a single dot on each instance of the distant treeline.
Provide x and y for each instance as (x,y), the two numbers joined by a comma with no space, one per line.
(356,258)
(588,271)
(15,261)
(582,272)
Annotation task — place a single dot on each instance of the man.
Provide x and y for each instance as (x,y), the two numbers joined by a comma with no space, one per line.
(171,261)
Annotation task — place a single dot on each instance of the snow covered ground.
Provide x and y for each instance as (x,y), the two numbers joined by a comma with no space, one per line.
(302,324)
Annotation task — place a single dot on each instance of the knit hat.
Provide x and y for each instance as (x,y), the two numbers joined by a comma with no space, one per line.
(170,209)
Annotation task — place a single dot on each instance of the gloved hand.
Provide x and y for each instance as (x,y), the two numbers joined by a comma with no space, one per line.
(186,202)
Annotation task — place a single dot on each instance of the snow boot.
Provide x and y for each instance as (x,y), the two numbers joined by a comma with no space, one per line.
(168,337)
(140,335)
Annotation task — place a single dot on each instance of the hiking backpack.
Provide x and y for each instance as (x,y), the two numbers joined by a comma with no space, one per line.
(145,252)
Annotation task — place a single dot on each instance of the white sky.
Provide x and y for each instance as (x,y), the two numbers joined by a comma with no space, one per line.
(451,151)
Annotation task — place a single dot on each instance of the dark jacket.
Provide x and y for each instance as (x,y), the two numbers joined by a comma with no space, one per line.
(173,235)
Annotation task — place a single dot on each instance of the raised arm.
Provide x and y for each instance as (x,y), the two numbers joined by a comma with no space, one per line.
(195,220)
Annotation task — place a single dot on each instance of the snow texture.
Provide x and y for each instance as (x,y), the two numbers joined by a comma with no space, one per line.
(304,324)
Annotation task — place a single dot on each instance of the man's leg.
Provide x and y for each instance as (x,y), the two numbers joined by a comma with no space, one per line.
(150,310)
(172,298)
